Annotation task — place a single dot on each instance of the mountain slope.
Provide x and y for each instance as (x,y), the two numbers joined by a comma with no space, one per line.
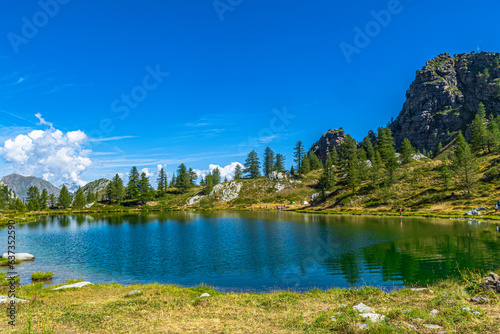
(97,186)
(20,184)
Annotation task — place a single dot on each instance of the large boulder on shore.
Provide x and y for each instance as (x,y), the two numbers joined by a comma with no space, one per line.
(70,286)
(19,256)
(227,191)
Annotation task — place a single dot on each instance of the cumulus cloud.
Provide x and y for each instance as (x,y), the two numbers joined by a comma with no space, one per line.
(51,154)
(146,171)
(226,171)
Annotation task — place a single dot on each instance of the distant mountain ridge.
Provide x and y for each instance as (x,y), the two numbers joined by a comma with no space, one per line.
(20,185)
(97,187)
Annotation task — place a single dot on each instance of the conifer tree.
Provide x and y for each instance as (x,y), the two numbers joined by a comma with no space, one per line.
(306,166)
(299,155)
(192,177)
(368,146)
(349,162)
(363,165)
(145,189)
(252,165)
(209,185)
(162,182)
(182,182)
(464,163)
(335,156)
(292,170)
(445,171)
(79,198)
(493,142)
(173,181)
(377,168)
(64,197)
(314,161)
(280,163)
(44,198)
(33,199)
(133,184)
(216,176)
(19,205)
(479,132)
(407,151)
(327,179)
(268,165)
(439,148)
(53,200)
(238,172)
(385,146)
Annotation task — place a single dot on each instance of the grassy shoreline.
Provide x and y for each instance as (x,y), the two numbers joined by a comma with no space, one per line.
(173,309)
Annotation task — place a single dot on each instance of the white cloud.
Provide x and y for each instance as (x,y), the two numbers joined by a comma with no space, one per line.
(43,121)
(227,171)
(51,154)
(146,171)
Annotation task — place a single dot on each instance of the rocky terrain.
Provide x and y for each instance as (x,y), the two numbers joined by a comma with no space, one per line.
(20,185)
(97,186)
(6,192)
(445,96)
(443,99)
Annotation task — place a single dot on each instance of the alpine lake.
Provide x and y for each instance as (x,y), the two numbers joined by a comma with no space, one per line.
(254,251)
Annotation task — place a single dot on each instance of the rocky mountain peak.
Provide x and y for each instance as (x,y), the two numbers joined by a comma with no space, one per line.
(328,141)
(445,95)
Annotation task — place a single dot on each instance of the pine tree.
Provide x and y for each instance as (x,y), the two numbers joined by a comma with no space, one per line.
(327,179)
(407,151)
(280,163)
(268,165)
(19,205)
(445,171)
(252,165)
(91,198)
(385,146)
(335,156)
(209,185)
(33,199)
(377,169)
(349,162)
(368,146)
(439,148)
(479,132)
(64,197)
(464,163)
(493,142)
(238,172)
(162,182)
(182,179)
(133,184)
(216,176)
(299,155)
(79,198)
(314,161)
(145,189)
(192,177)
(292,170)
(363,165)
(53,200)
(173,181)
(44,198)
(306,166)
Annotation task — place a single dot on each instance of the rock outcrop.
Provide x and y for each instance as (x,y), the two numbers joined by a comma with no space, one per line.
(328,141)
(227,191)
(444,97)
(20,256)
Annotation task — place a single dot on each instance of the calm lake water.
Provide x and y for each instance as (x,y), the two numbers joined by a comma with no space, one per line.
(254,251)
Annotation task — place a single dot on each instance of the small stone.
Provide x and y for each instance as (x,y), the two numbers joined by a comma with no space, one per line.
(333,318)
(418,319)
(204,295)
(361,325)
(494,277)
(434,312)
(480,300)
(362,308)
(135,292)
(343,305)
(418,289)
(374,317)
(433,326)
(473,312)
(6,299)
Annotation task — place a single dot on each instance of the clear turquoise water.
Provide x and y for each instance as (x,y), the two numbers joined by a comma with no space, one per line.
(254,251)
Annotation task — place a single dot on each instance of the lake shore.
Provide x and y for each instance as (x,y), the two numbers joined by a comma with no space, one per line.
(173,309)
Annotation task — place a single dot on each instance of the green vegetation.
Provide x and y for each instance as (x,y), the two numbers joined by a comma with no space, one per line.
(41,276)
(4,282)
(167,308)
(6,262)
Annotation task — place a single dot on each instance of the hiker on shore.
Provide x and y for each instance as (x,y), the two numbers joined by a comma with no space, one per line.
(400,212)
(496,207)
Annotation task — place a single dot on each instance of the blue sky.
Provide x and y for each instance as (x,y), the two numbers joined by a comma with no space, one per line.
(233,67)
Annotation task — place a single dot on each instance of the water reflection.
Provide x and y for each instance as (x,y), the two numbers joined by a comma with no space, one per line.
(254,250)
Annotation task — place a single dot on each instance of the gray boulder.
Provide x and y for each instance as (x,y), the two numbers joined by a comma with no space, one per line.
(70,286)
(195,199)
(20,256)
(227,192)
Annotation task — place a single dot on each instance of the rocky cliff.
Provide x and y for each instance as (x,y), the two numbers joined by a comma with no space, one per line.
(445,96)
(328,141)
(97,187)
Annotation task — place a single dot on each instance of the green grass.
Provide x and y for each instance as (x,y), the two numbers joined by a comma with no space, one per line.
(41,276)
(6,262)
